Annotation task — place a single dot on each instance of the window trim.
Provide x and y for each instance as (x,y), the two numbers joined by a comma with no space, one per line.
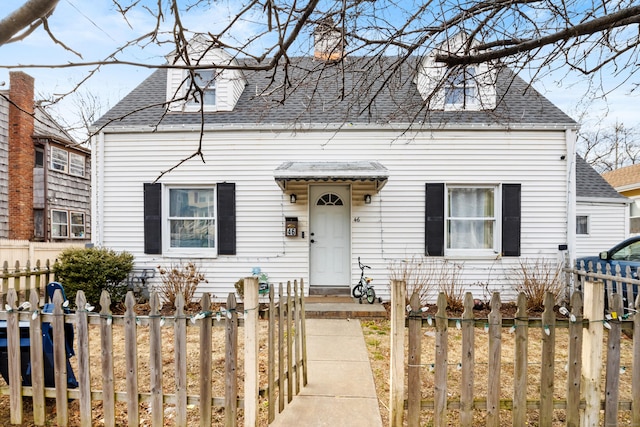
(71,225)
(82,161)
(462,79)
(495,219)
(190,103)
(167,249)
(65,168)
(56,224)
(588,225)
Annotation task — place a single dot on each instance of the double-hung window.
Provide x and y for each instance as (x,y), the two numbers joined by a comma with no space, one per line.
(191,221)
(460,88)
(582,224)
(202,89)
(59,159)
(76,164)
(634,217)
(77,225)
(59,224)
(471,219)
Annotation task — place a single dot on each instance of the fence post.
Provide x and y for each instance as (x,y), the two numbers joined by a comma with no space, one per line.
(60,359)
(575,361)
(13,350)
(468,358)
(547,368)
(442,363)
(106,342)
(131,359)
(37,362)
(396,374)
(612,382)
(303,333)
(180,348)
(521,324)
(205,362)
(231,364)
(84,379)
(413,369)
(251,351)
(592,352)
(271,372)
(495,347)
(155,361)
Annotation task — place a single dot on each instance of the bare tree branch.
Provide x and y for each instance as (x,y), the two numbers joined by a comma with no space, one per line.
(28,16)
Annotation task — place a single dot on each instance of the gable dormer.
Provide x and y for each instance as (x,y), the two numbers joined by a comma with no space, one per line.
(216,87)
(471,87)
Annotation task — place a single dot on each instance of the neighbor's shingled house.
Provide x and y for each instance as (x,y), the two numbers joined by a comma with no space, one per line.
(45,175)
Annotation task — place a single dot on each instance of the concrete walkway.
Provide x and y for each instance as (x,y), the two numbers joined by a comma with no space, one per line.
(340,389)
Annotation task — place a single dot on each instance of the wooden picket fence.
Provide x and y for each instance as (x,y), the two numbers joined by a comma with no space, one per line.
(167,388)
(590,386)
(25,278)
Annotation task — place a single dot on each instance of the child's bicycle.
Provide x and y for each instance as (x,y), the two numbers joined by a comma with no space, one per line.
(364,288)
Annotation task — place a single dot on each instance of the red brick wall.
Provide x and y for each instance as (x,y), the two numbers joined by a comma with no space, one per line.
(21,156)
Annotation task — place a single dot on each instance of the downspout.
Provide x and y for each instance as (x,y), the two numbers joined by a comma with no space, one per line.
(570,140)
(97,186)
(45,178)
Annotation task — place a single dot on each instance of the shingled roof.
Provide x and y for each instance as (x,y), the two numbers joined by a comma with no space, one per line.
(628,175)
(351,91)
(590,184)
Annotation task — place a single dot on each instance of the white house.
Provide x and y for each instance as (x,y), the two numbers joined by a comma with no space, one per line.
(347,158)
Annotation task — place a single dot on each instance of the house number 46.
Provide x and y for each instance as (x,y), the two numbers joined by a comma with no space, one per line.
(356,219)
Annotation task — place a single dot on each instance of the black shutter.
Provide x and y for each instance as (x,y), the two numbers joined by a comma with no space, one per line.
(511,219)
(152,218)
(226,218)
(434,226)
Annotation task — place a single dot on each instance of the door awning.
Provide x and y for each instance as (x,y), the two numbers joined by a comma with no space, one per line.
(356,171)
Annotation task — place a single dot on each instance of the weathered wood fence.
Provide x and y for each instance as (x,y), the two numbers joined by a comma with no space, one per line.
(490,391)
(25,278)
(186,389)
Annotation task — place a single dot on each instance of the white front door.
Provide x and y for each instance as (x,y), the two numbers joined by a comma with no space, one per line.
(329,235)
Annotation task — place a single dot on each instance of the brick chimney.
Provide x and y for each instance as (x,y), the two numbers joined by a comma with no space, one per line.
(21,155)
(328,41)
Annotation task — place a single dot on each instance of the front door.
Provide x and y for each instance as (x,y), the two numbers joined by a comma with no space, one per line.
(329,235)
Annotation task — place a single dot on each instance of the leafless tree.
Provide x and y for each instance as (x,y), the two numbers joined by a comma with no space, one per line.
(610,147)
(595,39)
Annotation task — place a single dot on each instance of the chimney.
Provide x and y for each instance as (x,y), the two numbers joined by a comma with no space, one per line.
(328,41)
(21,155)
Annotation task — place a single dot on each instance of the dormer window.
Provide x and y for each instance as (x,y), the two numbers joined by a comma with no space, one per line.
(211,90)
(203,86)
(470,88)
(460,88)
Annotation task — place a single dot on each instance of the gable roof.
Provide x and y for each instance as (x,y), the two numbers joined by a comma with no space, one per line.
(622,177)
(361,90)
(590,184)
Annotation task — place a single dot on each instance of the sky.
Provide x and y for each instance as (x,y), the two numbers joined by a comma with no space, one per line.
(95,29)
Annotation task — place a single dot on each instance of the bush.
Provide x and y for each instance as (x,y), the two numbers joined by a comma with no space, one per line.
(93,270)
(537,277)
(179,279)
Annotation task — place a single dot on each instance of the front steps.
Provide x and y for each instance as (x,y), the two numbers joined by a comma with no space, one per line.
(341,307)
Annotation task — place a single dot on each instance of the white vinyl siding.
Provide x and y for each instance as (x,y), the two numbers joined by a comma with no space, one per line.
(606,227)
(390,228)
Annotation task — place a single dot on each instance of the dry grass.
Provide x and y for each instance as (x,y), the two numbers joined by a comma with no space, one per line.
(168,385)
(376,335)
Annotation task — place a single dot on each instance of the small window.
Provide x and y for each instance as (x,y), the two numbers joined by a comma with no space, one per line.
(77,225)
(460,89)
(59,224)
(76,164)
(59,159)
(191,218)
(39,159)
(582,224)
(330,199)
(471,218)
(38,223)
(205,81)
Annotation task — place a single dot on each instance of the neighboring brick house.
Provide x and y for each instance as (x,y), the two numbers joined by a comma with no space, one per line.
(626,181)
(45,176)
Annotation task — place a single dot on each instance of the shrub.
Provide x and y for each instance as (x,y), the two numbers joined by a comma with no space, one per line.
(93,270)
(179,279)
(537,277)
(427,276)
